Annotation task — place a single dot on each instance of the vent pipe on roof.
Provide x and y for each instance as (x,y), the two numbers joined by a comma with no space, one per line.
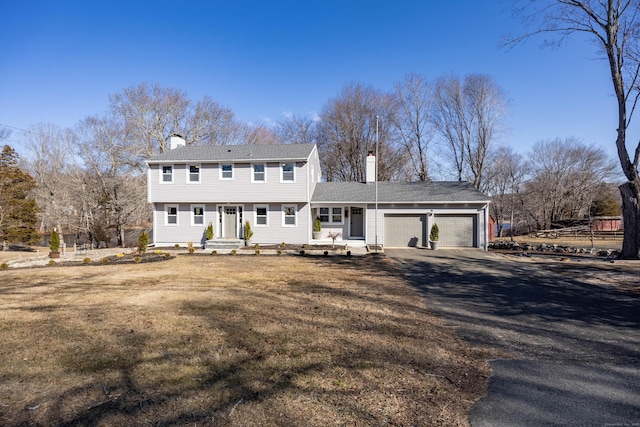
(176,141)
(371,167)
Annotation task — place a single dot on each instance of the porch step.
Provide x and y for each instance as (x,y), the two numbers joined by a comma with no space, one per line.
(352,243)
(224,244)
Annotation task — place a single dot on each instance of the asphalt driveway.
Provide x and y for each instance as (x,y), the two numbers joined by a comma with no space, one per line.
(569,350)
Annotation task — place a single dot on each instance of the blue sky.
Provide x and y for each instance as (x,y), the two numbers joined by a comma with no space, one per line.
(60,60)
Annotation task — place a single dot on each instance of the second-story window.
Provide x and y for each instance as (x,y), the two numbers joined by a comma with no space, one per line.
(259,173)
(194,173)
(226,171)
(288,172)
(167,173)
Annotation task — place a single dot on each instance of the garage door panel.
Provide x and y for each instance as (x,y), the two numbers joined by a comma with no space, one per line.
(457,230)
(404,230)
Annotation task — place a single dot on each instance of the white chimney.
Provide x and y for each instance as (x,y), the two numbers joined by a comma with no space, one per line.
(176,141)
(371,167)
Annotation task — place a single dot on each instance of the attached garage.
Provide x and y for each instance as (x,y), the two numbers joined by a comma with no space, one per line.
(457,230)
(401,231)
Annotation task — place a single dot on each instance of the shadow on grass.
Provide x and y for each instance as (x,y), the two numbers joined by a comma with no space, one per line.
(354,346)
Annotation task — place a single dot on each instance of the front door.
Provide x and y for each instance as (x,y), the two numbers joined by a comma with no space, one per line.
(230,222)
(357,222)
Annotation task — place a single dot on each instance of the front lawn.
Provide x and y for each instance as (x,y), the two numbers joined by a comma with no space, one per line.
(220,340)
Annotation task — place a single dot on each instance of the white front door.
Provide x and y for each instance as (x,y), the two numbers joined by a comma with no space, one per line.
(230,222)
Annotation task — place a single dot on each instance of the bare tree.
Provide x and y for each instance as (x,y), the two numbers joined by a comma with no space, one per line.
(5,133)
(566,175)
(613,26)
(469,117)
(413,98)
(210,123)
(151,114)
(296,130)
(51,158)
(347,132)
(118,189)
(258,134)
(507,172)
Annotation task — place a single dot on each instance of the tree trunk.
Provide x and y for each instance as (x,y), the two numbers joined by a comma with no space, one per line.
(631,220)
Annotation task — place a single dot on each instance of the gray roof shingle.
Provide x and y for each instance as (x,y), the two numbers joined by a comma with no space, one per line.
(398,192)
(214,153)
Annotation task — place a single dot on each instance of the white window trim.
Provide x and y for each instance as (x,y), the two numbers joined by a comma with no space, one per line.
(295,217)
(188,178)
(173,172)
(331,222)
(193,216)
(282,172)
(341,222)
(166,215)
(255,215)
(232,171)
(253,173)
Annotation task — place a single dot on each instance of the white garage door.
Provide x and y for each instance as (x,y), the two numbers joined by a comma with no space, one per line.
(401,231)
(457,230)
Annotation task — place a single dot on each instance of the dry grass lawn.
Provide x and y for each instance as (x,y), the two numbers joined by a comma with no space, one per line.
(608,242)
(231,341)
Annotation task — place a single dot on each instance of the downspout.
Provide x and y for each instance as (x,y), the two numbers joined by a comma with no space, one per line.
(309,215)
(153,204)
(485,209)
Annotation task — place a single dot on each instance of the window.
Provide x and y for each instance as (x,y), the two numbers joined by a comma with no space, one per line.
(194,173)
(167,174)
(336,215)
(197,215)
(289,216)
(261,216)
(171,217)
(332,215)
(324,215)
(259,173)
(226,171)
(287,172)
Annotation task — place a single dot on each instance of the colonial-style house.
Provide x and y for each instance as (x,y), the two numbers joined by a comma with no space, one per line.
(278,190)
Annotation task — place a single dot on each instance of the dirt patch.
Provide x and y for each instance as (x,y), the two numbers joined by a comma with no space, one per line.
(231,341)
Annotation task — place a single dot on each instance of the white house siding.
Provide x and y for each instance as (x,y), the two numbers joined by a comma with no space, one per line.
(168,235)
(275,232)
(344,228)
(238,190)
